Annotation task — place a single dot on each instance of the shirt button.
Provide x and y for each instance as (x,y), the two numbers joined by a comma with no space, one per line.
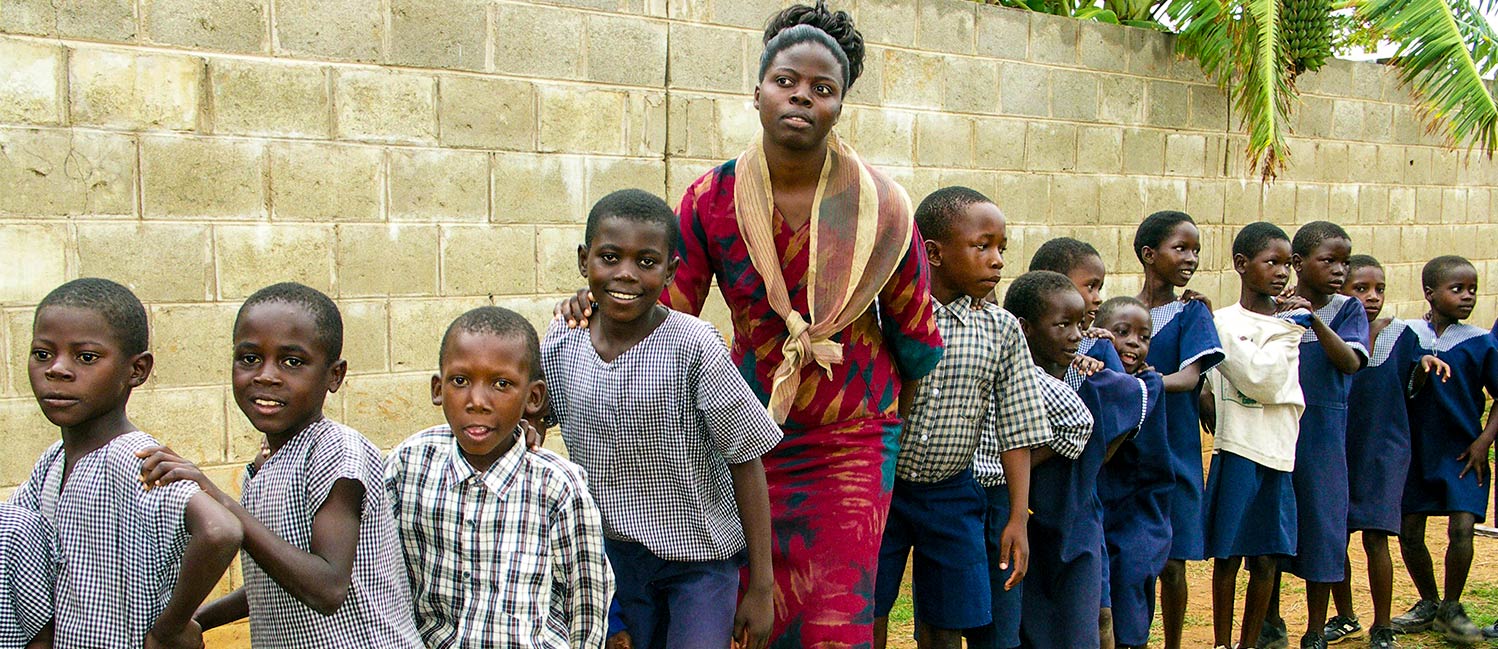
(925,437)
(472,523)
(467,575)
(935,392)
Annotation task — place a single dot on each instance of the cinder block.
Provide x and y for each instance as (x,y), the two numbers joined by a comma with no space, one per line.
(193,343)
(1150,53)
(1121,99)
(1209,109)
(645,122)
(244,440)
(338,29)
(160,262)
(556,260)
(1206,200)
(325,182)
(35,260)
(439,34)
(487,113)
(1104,47)
(530,188)
(52,173)
(892,22)
(1479,206)
(749,14)
(105,20)
(945,26)
(1050,146)
(1185,154)
(1312,118)
(869,87)
(439,185)
(222,25)
(1169,104)
(15,328)
(1402,205)
(389,408)
(1311,201)
(366,335)
(250,257)
(1099,149)
(1407,126)
(386,106)
(1053,39)
(606,175)
(1074,95)
(1025,198)
(414,342)
(539,41)
(202,177)
(1164,194)
(123,89)
(1453,205)
(30,82)
(1342,204)
(737,123)
(1413,244)
(259,98)
(1121,199)
(1378,122)
(999,143)
(1025,89)
(912,79)
(972,84)
(1144,151)
(191,421)
(1002,32)
(488,260)
(1243,200)
(627,50)
(881,135)
(944,140)
(983,181)
(1427,205)
(1332,159)
(1075,199)
(380,259)
(28,434)
(1347,119)
(582,120)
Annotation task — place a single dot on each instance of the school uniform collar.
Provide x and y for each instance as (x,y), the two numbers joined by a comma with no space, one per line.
(961,308)
(499,478)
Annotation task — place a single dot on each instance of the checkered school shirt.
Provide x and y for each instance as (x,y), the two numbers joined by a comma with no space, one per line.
(1071,421)
(28,573)
(510,557)
(985,366)
(119,546)
(656,430)
(283,494)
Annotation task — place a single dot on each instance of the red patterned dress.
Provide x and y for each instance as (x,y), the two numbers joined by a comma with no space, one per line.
(830,478)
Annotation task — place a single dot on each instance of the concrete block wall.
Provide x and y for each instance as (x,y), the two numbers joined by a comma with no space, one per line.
(416,158)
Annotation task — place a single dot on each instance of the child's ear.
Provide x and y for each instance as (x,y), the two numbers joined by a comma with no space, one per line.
(140,368)
(756,96)
(535,402)
(1428,292)
(436,389)
(1295,262)
(1240,262)
(336,373)
(1024,326)
(671,269)
(1147,255)
(933,253)
(582,260)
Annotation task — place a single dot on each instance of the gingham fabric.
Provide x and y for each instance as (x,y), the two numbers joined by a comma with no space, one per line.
(510,557)
(1074,378)
(656,430)
(1327,313)
(1071,422)
(119,545)
(1387,340)
(28,573)
(284,494)
(985,366)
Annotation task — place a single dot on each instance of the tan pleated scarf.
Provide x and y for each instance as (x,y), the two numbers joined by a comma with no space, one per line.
(861,226)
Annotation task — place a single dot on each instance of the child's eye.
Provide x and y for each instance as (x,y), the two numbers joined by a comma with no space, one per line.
(609,257)
(459,381)
(647,262)
(41,354)
(88,357)
(783,81)
(248,359)
(502,384)
(982,246)
(824,89)
(292,361)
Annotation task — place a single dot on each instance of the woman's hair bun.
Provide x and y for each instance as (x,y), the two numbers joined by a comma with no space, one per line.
(837,24)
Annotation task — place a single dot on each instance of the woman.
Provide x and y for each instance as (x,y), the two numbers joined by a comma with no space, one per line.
(817,256)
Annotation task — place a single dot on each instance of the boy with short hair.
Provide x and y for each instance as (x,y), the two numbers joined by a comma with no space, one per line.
(135,561)
(937,507)
(319,537)
(28,573)
(503,546)
(651,405)
(1083,265)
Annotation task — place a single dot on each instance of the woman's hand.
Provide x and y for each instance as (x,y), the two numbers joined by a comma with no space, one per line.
(576,309)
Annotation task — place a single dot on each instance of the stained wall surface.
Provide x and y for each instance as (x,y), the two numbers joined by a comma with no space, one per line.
(417,158)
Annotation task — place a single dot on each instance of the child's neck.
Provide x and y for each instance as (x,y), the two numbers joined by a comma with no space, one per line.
(1440,322)
(1057,370)
(1156,291)
(481,464)
(613,337)
(94,434)
(943,292)
(1317,299)
(1260,303)
(276,440)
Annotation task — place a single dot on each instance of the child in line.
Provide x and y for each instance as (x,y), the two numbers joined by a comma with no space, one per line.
(1135,484)
(135,562)
(1378,448)
(503,546)
(1256,405)
(938,508)
(1331,350)
(28,573)
(1062,602)
(319,538)
(1183,348)
(671,437)
(1448,448)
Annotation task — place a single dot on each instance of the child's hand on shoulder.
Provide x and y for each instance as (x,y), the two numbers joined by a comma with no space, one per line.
(754,619)
(162,466)
(1189,295)
(1086,365)
(1292,302)
(1098,333)
(1144,369)
(1435,367)
(189,637)
(576,309)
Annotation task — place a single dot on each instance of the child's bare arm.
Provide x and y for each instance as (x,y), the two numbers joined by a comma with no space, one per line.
(1427,366)
(907,397)
(1014,543)
(756,612)
(1206,405)
(43,639)
(230,608)
(215,537)
(1184,380)
(1341,354)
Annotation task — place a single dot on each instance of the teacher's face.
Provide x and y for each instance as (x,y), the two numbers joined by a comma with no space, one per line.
(800,97)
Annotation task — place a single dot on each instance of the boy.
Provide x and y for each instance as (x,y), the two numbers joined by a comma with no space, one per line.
(671,437)
(1448,448)
(28,573)
(319,538)
(1256,402)
(1081,263)
(468,497)
(937,507)
(135,562)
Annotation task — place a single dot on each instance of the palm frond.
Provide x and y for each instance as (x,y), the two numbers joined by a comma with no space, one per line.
(1445,49)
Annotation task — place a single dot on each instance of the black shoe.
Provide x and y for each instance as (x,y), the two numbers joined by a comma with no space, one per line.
(1418,618)
(1341,627)
(1312,641)
(1452,622)
(1490,632)
(1382,637)
(1273,636)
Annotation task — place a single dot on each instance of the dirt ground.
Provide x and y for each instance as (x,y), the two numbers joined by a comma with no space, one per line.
(1481,597)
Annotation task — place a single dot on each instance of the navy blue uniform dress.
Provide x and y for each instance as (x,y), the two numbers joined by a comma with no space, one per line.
(1446,417)
(1184,334)
(1135,491)
(1378,431)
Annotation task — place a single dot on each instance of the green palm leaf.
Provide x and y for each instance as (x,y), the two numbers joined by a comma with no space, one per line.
(1446,47)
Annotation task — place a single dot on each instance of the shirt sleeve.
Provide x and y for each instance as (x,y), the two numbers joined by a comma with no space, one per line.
(342,455)
(1019,415)
(30,569)
(1071,422)
(1198,340)
(553,346)
(1262,371)
(1104,351)
(582,580)
(1353,328)
(908,316)
(738,425)
(694,268)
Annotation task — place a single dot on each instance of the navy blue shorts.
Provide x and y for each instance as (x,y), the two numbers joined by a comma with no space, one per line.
(1003,632)
(943,523)
(674,604)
